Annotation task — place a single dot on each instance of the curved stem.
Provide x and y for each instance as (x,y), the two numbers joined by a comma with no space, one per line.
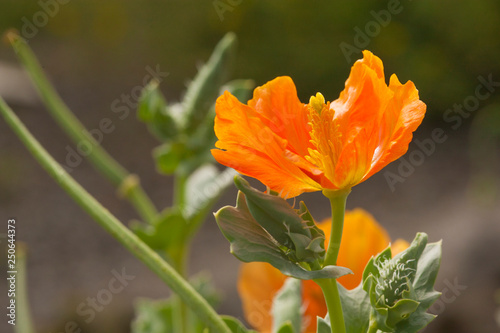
(106,164)
(113,226)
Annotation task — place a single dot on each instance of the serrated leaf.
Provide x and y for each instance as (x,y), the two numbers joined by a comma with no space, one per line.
(250,242)
(286,309)
(153,110)
(203,90)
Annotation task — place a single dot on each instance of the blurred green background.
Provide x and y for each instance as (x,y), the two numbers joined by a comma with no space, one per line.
(95,51)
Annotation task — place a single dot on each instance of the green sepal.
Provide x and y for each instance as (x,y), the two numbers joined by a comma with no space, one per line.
(401,289)
(250,242)
(286,309)
(203,90)
(370,268)
(284,224)
(153,110)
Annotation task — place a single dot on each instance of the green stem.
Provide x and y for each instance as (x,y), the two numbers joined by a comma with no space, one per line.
(338,203)
(332,298)
(179,260)
(106,164)
(329,286)
(180,181)
(24,323)
(113,226)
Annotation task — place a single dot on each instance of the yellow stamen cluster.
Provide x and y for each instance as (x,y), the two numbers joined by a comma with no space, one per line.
(317,102)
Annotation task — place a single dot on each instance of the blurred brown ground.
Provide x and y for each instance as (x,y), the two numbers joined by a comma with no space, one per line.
(71,258)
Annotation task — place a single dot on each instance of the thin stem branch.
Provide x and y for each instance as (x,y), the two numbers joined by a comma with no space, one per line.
(113,226)
(106,164)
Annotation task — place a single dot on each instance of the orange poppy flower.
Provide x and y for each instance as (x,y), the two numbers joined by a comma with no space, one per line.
(294,147)
(362,238)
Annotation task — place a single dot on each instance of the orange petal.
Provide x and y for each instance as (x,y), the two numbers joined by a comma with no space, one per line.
(314,305)
(281,110)
(357,112)
(399,246)
(258,283)
(376,121)
(253,149)
(407,113)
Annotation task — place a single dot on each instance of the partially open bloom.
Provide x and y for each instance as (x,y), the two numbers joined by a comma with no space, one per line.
(362,238)
(294,147)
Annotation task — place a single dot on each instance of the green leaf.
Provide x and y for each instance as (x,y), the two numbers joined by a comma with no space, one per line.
(153,316)
(286,309)
(284,224)
(203,188)
(250,242)
(401,289)
(235,325)
(167,233)
(428,267)
(356,309)
(168,156)
(153,111)
(204,285)
(204,89)
(286,328)
(241,89)
(323,325)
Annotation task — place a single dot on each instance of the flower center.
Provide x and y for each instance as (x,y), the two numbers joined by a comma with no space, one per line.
(317,102)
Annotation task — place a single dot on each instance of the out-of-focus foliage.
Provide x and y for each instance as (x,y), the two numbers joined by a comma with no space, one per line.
(440,45)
